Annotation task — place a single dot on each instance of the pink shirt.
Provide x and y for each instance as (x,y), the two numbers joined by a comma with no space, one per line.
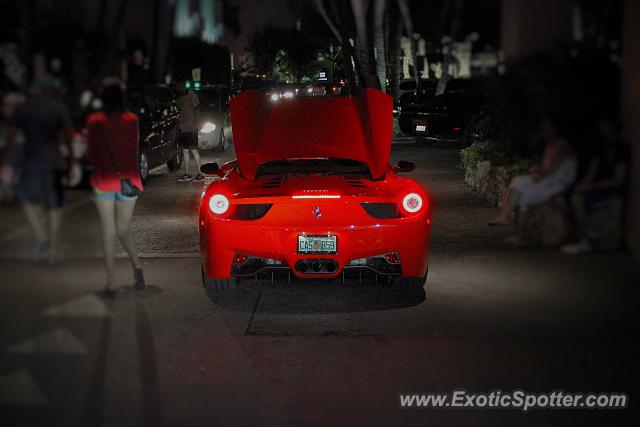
(120,131)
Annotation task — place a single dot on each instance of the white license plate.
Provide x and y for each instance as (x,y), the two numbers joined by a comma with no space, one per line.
(317,244)
(421,128)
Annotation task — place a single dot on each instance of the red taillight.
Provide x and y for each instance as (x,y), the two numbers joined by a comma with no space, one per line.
(218,204)
(412,202)
(240,259)
(392,258)
(457,129)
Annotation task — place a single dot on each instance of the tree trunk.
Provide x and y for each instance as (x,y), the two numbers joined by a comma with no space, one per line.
(153,60)
(379,42)
(447,49)
(403,6)
(115,37)
(455,21)
(325,16)
(363,56)
(395,47)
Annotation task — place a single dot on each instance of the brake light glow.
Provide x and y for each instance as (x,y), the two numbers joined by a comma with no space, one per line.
(392,258)
(412,202)
(240,259)
(218,204)
(316,196)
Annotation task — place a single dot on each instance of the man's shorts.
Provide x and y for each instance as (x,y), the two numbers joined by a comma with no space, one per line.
(189,140)
(41,188)
(595,196)
(99,195)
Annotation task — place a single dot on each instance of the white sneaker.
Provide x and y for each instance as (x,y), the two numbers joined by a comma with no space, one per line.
(582,246)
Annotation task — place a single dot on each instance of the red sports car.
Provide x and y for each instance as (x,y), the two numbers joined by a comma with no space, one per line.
(312,193)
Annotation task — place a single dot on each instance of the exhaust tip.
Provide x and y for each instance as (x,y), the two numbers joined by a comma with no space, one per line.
(332,266)
(301,266)
(317,266)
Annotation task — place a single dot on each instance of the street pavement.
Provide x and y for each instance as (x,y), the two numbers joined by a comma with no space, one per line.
(490,317)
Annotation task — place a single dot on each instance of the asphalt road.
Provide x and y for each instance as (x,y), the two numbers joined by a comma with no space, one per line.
(489,318)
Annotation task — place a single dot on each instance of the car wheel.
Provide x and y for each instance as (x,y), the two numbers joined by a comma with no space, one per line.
(143,164)
(220,146)
(212,284)
(176,161)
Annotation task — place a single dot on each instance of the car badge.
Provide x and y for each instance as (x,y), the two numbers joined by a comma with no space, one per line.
(316,212)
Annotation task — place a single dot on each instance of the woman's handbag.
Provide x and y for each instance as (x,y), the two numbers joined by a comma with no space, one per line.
(127,188)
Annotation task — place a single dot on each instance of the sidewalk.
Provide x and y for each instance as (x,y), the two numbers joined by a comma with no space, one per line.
(165,223)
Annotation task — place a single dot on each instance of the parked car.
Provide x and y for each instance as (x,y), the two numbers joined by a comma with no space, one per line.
(448,116)
(159,118)
(290,200)
(213,114)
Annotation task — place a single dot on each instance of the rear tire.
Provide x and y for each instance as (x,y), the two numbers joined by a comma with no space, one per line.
(215,285)
(176,161)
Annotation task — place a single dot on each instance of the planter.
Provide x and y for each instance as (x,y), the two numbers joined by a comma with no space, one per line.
(490,181)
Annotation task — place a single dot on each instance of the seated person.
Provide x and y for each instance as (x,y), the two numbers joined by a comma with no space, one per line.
(554,176)
(605,178)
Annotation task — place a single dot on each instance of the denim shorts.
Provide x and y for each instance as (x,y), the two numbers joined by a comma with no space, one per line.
(42,188)
(99,196)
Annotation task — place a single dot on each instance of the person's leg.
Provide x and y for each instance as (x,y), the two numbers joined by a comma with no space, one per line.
(511,198)
(579,212)
(124,215)
(196,157)
(34,214)
(106,212)
(54,197)
(185,157)
(55,221)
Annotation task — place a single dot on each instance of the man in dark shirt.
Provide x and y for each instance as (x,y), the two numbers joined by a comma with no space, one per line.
(45,124)
(606,177)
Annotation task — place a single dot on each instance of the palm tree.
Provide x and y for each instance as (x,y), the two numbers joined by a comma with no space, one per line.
(405,12)
(362,46)
(394,49)
(380,7)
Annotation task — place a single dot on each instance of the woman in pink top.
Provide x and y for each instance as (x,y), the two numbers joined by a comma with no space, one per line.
(113,148)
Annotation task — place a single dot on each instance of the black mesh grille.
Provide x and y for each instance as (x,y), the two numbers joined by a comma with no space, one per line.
(382,210)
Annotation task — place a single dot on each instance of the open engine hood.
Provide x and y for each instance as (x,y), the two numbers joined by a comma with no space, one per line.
(356,128)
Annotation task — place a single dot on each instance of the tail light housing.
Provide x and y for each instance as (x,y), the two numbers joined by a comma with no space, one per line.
(219,204)
(382,210)
(412,203)
(249,211)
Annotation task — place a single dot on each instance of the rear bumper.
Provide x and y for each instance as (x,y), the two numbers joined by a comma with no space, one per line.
(222,240)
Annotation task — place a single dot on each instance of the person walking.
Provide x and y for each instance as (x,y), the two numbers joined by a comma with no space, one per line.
(45,124)
(188,105)
(113,138)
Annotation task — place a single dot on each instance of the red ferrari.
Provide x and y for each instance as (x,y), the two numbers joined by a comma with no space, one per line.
(312,193)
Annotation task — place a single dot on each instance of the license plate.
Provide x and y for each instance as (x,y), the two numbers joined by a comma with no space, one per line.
(421,128)
(317,244)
